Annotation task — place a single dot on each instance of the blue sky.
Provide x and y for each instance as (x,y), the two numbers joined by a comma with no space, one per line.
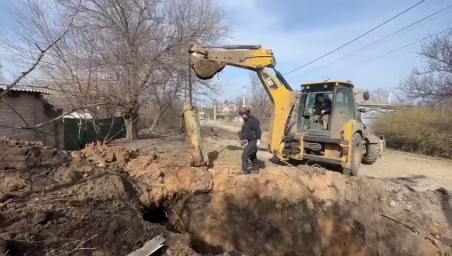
(299,31)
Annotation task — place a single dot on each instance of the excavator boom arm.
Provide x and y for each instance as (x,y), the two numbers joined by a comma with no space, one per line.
(210,60)
(241,56)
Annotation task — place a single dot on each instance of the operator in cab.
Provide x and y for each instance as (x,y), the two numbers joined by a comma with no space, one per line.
(250,136)
(322,109)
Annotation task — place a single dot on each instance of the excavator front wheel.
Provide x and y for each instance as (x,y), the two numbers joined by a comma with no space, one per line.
(356,154)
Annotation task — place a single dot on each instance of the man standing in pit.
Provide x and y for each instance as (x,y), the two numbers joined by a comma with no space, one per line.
(250,137)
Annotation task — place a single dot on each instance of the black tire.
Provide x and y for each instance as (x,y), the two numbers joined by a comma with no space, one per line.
(372,154)
(356,154)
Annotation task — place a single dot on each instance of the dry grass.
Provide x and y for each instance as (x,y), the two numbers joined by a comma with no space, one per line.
(424,130)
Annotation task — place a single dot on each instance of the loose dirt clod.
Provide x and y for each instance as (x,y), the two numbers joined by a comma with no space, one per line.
(206,69)
(105,198)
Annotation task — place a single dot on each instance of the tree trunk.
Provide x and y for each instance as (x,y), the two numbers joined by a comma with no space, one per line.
(193,135)
(131,122)
(157,117)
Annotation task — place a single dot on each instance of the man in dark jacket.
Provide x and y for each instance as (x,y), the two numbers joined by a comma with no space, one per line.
(250,136)
(322,109)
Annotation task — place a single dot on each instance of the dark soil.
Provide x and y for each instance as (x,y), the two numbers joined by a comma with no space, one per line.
(55,204)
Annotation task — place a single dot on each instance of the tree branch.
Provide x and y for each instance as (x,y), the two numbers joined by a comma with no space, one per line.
(38,60)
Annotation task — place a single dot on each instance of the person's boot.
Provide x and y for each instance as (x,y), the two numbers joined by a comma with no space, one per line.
(255,167)
(242,172)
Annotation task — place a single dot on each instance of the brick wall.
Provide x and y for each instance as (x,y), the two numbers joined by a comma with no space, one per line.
(34,111)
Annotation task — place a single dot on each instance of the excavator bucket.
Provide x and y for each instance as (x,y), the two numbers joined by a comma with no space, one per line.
(206,69)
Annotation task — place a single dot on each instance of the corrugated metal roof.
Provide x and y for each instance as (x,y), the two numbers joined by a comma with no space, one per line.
(24,88)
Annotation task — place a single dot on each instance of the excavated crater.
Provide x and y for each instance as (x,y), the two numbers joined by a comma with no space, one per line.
(282,213)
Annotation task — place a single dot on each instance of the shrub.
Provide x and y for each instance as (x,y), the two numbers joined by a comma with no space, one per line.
(425,130)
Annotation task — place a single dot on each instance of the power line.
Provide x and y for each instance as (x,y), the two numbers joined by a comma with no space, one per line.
(380,41)
(395,50)
(342,46)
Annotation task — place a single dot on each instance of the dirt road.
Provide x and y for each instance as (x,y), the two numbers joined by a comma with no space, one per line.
(419,172)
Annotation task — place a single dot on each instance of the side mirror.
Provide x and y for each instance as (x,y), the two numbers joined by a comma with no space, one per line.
(366,96)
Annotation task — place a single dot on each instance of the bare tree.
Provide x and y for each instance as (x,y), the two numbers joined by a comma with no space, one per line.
(1,73)
(381,94)
(128,53)
(432,84)
(260,101)
(36,60)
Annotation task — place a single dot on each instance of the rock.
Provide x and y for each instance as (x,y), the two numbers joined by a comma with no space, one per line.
(310,205)
(307,228)
(113,227)
(392,203)
(101,164)
(75,155)
(40,218)
(311,187)
(4,197)
(5,236)
(110,157)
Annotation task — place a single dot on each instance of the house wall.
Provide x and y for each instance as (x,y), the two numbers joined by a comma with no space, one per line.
(34,110)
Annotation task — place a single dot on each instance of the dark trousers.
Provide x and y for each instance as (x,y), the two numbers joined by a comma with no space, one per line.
(249,152)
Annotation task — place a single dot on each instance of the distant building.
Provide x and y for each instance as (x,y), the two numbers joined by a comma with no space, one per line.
(227,110)
(30,106)
(376,107)
(360,98)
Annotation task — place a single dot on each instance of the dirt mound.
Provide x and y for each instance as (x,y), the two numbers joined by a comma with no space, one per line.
(55,203)
(317,212)
(113,200)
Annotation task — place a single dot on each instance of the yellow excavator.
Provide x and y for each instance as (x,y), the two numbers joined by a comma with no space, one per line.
(345,142)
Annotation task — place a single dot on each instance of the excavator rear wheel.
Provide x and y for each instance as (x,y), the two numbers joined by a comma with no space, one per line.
(372,153)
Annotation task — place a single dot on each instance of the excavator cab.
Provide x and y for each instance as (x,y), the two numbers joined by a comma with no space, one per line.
(340,103)
(314,119)
(343,141)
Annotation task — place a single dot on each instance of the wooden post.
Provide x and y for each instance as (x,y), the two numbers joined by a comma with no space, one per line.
(193,134)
